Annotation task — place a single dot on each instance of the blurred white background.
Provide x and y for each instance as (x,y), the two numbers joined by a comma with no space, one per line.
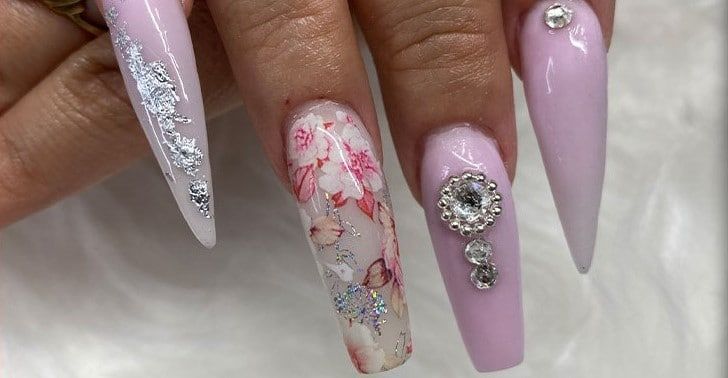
(110,283)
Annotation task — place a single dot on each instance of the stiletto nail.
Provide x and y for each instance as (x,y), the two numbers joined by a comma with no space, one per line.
(466,194)
(565,77)
(154,50)
(347,218)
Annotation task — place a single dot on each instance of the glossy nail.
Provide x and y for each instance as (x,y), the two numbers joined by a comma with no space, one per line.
(565,77)
(154,50)
(347,218)
(467,198)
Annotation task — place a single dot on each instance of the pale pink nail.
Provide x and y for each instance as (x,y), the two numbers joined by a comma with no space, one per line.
(458,167)
(348,222)
(565,77)
(154,49)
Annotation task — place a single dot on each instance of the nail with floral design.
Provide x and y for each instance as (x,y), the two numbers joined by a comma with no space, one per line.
(339,185)
(154,49)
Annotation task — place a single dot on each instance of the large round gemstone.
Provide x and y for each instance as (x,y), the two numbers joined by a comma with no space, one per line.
(471,198)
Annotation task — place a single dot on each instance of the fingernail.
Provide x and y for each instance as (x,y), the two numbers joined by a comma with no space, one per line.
(342,196)
(469,209)
(154,50)
(565,78)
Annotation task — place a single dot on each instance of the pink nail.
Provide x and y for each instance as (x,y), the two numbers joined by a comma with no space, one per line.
(348,221)
(490,319)
(154,49)
(565,78)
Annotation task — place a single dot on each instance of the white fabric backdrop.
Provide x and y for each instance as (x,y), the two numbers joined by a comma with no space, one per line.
(110,283)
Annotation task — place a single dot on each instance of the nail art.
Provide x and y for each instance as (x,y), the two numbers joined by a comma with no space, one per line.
(471,218)
(565,79)
(153,46)
(347,218)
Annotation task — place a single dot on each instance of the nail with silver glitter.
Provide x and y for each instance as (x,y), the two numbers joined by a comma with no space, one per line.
(564,71)
(154,49)
(469,209)
(339,185)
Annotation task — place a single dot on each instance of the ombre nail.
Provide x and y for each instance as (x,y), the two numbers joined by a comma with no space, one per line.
(154,50)
(565,77)
(467,198)
(347,218)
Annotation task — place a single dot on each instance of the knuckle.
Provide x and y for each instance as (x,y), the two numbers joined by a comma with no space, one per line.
(441,35)
(271,29)
(90,96)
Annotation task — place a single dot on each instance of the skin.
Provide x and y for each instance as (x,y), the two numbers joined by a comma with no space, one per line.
(66,122)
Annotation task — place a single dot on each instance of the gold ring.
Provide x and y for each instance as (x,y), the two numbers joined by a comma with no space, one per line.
(73,9)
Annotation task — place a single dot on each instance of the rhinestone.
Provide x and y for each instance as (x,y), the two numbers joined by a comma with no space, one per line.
(484,276)
(471,198)
(558,16)
(478,251)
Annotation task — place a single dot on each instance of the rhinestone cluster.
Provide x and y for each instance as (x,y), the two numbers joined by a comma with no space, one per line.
(469,203)
(558,16)
(159,97)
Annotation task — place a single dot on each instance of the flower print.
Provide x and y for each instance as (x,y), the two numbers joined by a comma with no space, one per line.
(377,275)
(345,118)
(354,170)
(325,231)
(304,182)
(365,353)
(307,143)
(390,254)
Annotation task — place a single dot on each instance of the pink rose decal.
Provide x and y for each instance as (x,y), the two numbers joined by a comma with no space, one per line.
(353,169)
(307,141)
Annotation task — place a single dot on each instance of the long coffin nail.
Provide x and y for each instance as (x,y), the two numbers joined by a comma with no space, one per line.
(154,50)
(469,209)
(565,78)
(347,218)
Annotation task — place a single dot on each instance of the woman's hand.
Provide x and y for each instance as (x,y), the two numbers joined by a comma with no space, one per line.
(66,122)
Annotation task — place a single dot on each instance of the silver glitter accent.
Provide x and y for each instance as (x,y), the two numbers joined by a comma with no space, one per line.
(558,16)
(200,196)
(185,154)
(158,93)
(359,303)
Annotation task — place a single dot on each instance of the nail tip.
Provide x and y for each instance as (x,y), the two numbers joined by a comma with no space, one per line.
(489,368)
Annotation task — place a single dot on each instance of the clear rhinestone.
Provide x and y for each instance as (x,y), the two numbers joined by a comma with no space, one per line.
(558,16)
(484,276)
(478,251)
(471,198)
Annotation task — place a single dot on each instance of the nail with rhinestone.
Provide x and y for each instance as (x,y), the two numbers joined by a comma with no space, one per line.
(477,247)
(564,71)
(339,186)
(154,49)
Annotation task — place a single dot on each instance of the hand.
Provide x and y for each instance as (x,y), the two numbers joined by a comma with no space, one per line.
(444,70)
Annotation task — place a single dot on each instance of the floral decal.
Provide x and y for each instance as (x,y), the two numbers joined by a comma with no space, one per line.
(338,182)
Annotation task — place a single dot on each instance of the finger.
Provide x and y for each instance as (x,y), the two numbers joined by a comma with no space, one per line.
(30,32)
(564,69)
(77,126)
(154,49)
(445,76)
(297,64)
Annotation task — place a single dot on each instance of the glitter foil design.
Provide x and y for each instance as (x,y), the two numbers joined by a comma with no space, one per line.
(200,196)
(361,304)
(158,93)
